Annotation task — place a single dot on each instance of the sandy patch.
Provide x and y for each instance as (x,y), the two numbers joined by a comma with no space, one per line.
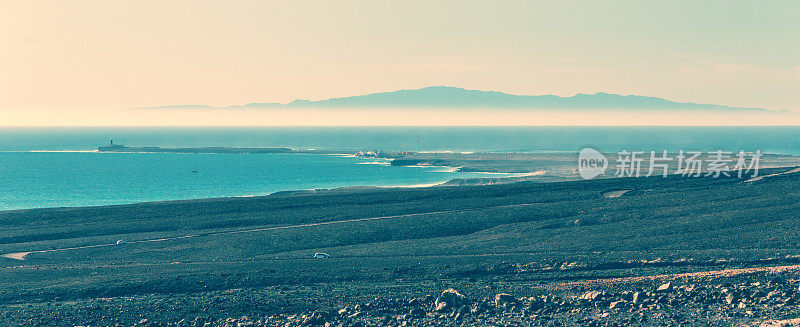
(16,255)
(770,175)
(615,194)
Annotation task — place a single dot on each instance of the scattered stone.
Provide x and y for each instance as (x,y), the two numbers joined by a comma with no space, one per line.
(772,294)
(781,323)
(739,301)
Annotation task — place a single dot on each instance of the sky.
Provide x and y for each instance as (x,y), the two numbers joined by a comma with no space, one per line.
(87,61)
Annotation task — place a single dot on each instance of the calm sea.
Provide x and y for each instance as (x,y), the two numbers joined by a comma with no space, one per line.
(39,169)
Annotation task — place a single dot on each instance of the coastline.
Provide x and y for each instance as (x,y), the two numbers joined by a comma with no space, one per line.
(487,169)
(376,158)
(169,176)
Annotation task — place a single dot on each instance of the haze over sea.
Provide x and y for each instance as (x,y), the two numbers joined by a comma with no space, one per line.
(53,167)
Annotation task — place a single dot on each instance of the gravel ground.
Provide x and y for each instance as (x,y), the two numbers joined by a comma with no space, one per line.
(743,297)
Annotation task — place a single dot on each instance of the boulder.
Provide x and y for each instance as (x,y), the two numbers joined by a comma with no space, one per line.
(616,304)
(664,288)
(591,295)
(503,299)
(450,300)
(730,299)
(638,297)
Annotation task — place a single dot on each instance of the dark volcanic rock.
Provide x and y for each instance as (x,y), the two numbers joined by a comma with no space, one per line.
(416,312)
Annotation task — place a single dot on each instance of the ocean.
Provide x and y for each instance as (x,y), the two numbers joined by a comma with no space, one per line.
(57,167)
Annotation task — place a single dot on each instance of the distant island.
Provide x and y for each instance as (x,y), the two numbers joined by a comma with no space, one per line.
(446,97)
(121,148)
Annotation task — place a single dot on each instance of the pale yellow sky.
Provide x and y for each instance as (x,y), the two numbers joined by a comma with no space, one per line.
(83,62)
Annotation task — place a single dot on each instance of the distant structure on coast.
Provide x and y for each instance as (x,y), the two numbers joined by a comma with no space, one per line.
(110,147)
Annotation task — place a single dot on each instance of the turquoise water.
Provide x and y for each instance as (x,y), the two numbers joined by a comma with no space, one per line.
(56,179)
(32,179)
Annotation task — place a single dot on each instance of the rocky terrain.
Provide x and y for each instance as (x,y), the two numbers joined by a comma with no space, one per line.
(667,251)
(743,297)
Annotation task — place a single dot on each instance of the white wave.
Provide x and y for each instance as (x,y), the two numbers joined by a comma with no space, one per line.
(535,173)
(54,151)
(447,151)
(381,163)
(413,185)
(441,169)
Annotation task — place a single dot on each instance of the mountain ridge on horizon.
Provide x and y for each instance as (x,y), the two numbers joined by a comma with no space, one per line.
(448,97)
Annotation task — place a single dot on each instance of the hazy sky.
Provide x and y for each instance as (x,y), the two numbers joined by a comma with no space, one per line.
(63,61)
